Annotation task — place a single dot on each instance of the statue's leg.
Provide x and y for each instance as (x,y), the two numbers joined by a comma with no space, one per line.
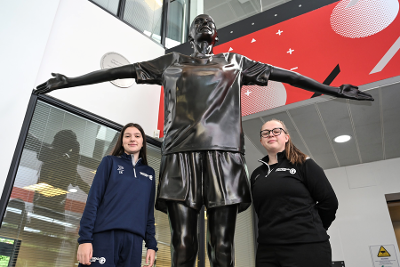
(184,245)
(220,235)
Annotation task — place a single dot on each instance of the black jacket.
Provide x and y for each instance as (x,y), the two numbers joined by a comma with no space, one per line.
(294,203)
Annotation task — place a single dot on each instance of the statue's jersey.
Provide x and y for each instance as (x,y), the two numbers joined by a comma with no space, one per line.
(202,98)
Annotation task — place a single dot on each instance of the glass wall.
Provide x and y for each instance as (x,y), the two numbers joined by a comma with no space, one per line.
(146,15)
(57,166)
(177,28)
(109,5)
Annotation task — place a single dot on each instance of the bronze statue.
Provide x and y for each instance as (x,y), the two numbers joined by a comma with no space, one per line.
(203,150)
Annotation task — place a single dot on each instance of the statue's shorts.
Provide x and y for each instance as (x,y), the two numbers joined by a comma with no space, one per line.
(210,178)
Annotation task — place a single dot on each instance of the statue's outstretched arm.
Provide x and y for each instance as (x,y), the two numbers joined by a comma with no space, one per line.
(344,91)
(61,81)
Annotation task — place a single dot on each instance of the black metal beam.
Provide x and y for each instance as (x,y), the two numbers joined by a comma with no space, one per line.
(164,21)
(8,186)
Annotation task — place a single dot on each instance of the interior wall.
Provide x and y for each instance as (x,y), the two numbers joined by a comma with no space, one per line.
(24,29)
(69,37)
(363,218)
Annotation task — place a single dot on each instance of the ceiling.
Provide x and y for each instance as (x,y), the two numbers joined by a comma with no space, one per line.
(312,124)
(227,12)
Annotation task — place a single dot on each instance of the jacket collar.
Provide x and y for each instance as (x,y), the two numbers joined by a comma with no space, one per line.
(129,157)
(279,155)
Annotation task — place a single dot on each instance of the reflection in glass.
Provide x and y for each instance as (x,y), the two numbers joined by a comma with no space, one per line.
(58,163)
(145,15)
(110,5)
(177,25)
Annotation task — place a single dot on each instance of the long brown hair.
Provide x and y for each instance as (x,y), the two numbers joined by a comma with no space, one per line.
(119,149)
(293,154)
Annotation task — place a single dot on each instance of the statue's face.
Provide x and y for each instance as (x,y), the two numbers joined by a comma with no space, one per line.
(203,29)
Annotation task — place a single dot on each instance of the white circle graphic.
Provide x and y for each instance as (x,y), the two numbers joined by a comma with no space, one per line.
(363,18)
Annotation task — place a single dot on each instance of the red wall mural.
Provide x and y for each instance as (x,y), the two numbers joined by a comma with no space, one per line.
(360,38)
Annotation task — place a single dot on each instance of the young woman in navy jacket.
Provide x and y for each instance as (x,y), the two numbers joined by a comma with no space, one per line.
(295,204)
(119,212)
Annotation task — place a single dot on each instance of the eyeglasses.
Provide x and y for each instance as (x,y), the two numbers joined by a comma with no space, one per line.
(275,132)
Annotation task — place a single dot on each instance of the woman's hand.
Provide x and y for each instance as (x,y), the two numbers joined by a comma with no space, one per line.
(150,257)
(352,92)
(85,253)
(59,81)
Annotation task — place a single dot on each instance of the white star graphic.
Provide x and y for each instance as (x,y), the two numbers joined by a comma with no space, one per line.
(247,93)
(279,32)
(290,51)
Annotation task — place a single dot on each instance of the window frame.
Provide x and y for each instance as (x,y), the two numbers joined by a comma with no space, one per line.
(15,162)
(164,19)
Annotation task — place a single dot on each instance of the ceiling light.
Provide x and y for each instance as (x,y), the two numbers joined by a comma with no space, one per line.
(73,190)
(154,4)
(342,138)
(46,189)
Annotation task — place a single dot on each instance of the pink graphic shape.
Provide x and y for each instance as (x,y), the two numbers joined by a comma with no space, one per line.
(259,98)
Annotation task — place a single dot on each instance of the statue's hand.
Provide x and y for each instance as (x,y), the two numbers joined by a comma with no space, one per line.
(351,92)
(59,81)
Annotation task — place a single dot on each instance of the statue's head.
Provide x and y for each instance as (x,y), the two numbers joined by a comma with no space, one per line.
(203,29)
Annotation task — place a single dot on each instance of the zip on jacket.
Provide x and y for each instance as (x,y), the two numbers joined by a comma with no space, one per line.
(134,164)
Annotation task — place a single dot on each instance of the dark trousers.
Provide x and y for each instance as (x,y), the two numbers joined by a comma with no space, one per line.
(116,248)
(295,255)
(220,234)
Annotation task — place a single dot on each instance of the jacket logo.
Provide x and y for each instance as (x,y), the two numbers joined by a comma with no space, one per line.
(147,175)
(292,170)
(101,260)
(121,169)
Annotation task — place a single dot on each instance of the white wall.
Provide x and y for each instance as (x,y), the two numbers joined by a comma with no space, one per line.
(70,37)
(363,218)
(75,47)
(24,29)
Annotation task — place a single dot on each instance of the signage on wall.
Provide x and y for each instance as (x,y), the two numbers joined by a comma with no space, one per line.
(113,60)
(384,256)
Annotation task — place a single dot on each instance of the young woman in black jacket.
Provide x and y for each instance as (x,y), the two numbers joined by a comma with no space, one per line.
(295,204)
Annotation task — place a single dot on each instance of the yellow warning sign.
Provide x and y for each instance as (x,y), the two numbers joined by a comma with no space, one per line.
(383,252)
